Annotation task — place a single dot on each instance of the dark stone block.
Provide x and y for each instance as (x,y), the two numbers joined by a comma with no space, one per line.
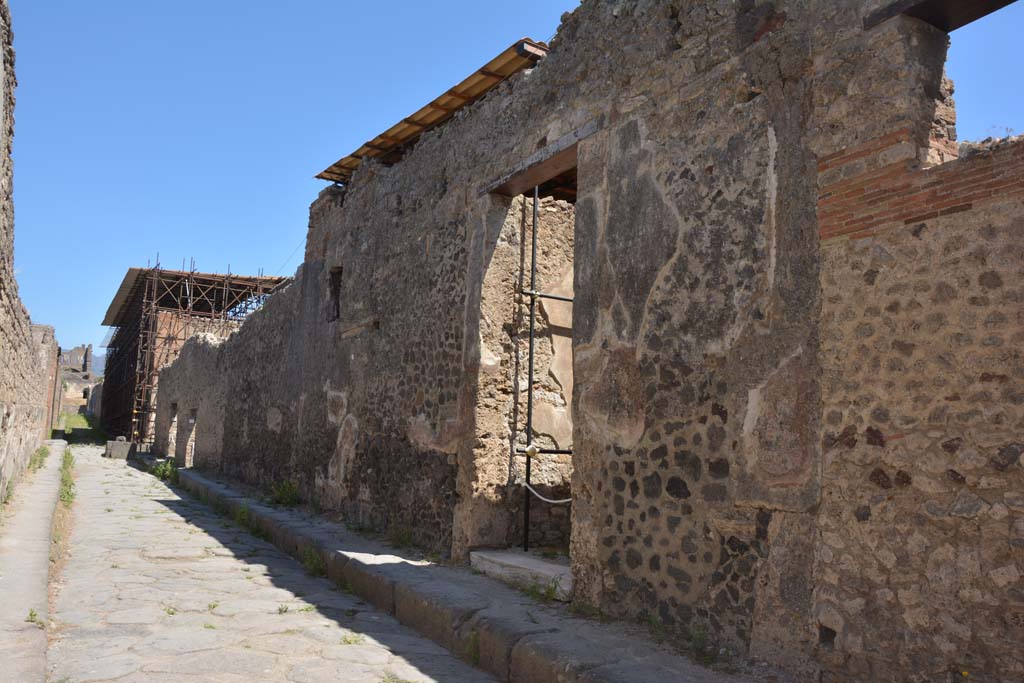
(879,478)
(652,485)
(1007,456)
(677,488)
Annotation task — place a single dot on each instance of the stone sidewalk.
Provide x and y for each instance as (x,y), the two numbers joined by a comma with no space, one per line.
(497,628)
(24,568)
(159,588)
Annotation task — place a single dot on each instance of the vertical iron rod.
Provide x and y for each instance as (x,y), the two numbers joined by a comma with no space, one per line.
(529,381)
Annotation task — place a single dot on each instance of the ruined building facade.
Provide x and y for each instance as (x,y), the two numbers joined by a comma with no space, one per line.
(790,376)
(152,314)
(77,381)
(28,353)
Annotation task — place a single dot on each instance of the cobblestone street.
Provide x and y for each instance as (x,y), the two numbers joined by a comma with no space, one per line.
(160,588)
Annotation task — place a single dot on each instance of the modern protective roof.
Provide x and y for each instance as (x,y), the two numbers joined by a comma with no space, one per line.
(389,145)
(134,283)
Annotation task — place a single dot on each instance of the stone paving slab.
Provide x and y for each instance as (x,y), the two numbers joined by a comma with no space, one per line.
(499,629)
(161,588)
(24,568)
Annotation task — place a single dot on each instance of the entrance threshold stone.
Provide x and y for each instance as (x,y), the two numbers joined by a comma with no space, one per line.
(525,570)
(493,626)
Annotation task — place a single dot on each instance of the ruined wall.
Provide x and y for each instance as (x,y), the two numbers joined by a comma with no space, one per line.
(194,385)
(78,358)
(28,353)
(922,519)
(714,342)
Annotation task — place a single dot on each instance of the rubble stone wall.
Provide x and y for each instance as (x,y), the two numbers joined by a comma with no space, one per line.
(28,353)
(719,371)
(921,525)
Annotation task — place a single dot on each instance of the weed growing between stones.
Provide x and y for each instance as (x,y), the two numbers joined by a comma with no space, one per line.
(701,648)
(282,609)
(313,562)
(542,593)
(33,618)
(473,648)
(67,478)
(284,493)
(212,606)
(242,517)
(165,471)
(38,458)
(392,678)
(352,638)
(171,611)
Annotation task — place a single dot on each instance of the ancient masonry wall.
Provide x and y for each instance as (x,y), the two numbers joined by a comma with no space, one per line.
(28,353)
(730,428)
(921,523)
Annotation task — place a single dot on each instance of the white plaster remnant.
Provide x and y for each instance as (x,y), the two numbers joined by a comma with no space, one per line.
(274,420)
(772,191)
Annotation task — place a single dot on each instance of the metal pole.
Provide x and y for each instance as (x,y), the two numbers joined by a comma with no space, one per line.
(529,381)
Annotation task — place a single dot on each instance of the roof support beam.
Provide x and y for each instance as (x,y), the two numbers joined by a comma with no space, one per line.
(947,15)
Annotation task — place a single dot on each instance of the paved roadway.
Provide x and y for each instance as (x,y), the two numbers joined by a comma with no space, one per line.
(160,588)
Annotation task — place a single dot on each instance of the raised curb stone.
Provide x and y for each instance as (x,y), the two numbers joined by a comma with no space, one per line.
(480,619)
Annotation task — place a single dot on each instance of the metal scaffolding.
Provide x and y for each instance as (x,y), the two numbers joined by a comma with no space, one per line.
(154,312)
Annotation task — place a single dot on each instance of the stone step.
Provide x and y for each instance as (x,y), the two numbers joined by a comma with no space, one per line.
(499,629)
(525,571)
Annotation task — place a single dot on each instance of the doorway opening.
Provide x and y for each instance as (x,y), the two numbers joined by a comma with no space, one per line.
(190,440)
(524,419)
(172,431)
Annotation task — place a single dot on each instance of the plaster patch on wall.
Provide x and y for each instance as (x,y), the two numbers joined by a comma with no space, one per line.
(489,362)
(337,406)
(779,467)
(772,191)
(274,419)
(344,452)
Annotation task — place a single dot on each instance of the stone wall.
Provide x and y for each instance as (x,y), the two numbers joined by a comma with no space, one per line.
(921,527)
(739,387)
(28,353)
(78,358)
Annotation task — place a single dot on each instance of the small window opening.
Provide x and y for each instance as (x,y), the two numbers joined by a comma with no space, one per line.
(826,637)
(85,392)
(334,311)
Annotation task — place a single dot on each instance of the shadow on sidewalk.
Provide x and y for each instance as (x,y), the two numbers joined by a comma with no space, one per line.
(344,608)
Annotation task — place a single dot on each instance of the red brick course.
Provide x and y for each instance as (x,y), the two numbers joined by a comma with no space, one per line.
(860,194)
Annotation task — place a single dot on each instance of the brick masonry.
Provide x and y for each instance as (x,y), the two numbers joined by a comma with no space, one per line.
(875,185)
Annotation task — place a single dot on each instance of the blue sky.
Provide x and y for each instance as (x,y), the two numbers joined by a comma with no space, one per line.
(194,128)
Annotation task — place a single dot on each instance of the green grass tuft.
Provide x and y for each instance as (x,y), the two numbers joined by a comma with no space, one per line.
(67,478)
(165,470)
(313,562)
(38,458)
(284,493)
(33,618)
